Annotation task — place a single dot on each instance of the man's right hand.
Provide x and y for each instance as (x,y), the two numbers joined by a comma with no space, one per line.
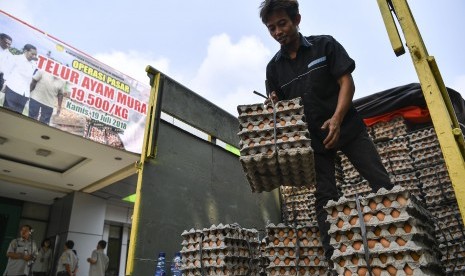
(273,98)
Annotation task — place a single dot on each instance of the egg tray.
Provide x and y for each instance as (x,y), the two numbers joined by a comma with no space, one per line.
(266,124)
(418,136)
(270,148)
(391,271)
(288,271)
(247,146)
(262,109)
(297,191)
(269,134)
(220,271)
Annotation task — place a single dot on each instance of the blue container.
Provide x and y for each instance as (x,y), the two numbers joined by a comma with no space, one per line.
(161,265)
(176,265)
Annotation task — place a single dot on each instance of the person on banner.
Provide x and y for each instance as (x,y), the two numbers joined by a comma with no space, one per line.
(21,253)
(18,75)
(98,260)
(319,70)
(5,55)
(41,266)
(46,93)
(68,262)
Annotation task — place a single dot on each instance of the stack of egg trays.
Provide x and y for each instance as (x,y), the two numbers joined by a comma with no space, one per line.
(388,130)
(294,250)
(264,261)
(222,250)
(399,232)
(425,149)
(269,162)
(298,205)
(437,185)
(396,153)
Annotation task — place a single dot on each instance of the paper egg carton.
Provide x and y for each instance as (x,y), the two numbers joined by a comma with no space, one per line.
(389,130)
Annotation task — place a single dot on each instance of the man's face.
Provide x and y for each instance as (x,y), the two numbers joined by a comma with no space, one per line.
(282,28)
(25,232)
(31,54)
(5,43)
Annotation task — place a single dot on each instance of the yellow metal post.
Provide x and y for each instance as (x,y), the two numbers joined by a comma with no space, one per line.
(147,150)
(439,104)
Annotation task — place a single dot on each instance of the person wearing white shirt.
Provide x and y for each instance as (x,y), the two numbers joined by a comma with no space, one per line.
(18,76)
(5,55)
(98,261)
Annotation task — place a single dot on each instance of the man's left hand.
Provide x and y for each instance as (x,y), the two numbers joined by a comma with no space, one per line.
(333,126)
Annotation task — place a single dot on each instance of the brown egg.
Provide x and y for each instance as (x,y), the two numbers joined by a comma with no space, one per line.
(376,271)
(281,233)
(270,109)
(356,245)
(355,260)
(270,152)
(282,122)
(347,272)
(362,271)
(302,271)
(311,270)
(415,256)
(285,138)
(402,200)
(392,270)
(251,144)
(377,231)
(343,248)
(305,242)
(290,233)
(293,121)
(299,233)
(340,223)
(387,202)
(280,107)
(395,213)
(291,252)
(261,125)
(310,252)
(350,235)
(250,127)
(262,142)
(408,270)
(297,137)
(316,261)
(271,252)
(249,111)
(287,261)
(276,241)
(384,242)
(380,215)
(392,229)
(400,241)
(306,260)
(372,205)
(338,237)
(407,228)
(277,261)
(286,241)
(342,262)
(371,243)
(259,110)
(316,242)
(383,258)
(334,213)
(281,271)
(346,210)
(398,256)
(281,252)
(271,124)
(367,217)
(353,220)
(291,105)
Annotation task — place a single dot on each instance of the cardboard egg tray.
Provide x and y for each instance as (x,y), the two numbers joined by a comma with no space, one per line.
(268,160)
(298,205)
(221,250)
(389,130)
(395,224)
(284,242)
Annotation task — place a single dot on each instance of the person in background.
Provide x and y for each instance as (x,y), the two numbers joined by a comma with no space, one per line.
(319,70)
(18,77)
(42,264)
(46,92)
(68,262)
(98,260)
(21,253)
(5,55)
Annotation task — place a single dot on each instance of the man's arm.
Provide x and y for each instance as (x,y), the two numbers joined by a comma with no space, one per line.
(32,86)
(60,101)
(333,125)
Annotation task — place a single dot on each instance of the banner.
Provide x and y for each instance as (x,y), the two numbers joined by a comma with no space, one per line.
(47,80)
